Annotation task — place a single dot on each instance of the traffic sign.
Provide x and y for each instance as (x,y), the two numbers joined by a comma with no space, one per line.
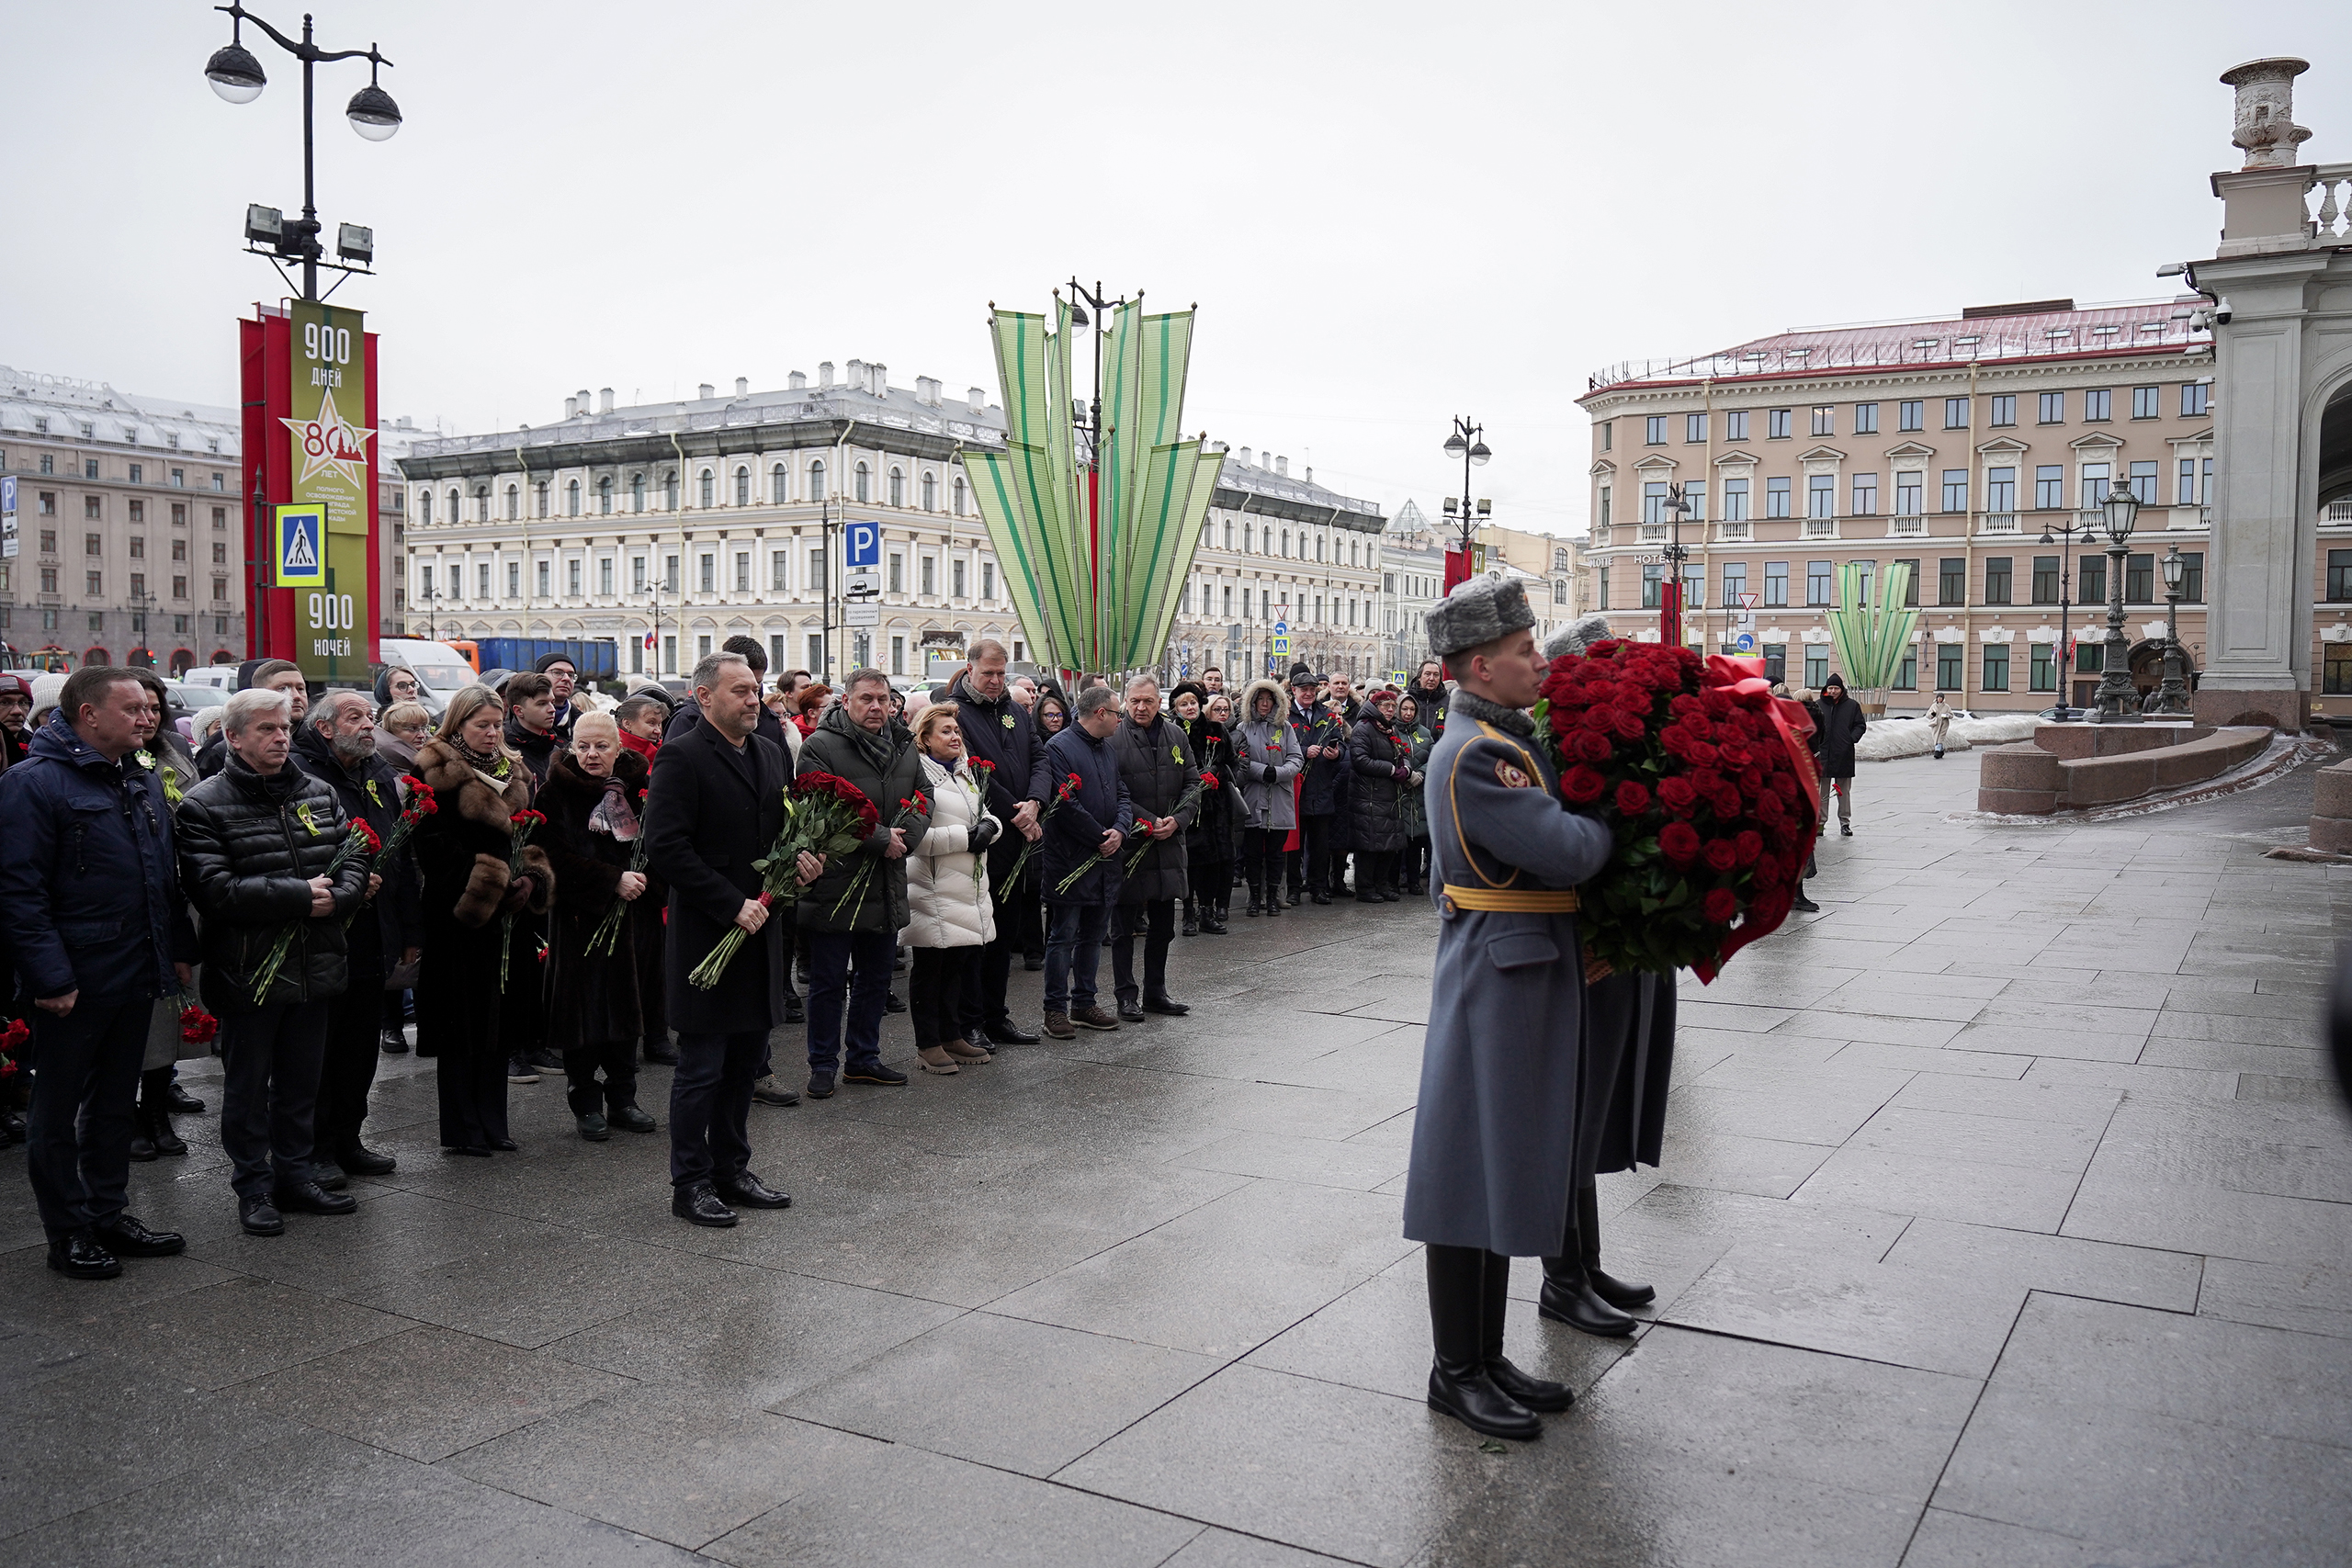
(1750,600)
(862,615)
(1744,642)
(1282,646)
(862,543)
(7,517)
(1282,629)
(857,583)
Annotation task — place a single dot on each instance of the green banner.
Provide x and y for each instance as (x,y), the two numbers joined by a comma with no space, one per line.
(334,474)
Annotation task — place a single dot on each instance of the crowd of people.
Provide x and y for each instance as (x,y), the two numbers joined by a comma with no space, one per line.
(533,877)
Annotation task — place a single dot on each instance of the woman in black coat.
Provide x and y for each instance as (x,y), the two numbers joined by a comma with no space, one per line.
(1208,843)
(1382,761)
(1838,727)
(594,801)
(463,850)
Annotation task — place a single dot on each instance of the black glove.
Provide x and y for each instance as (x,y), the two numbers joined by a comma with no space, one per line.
(985,834)
(1269,773)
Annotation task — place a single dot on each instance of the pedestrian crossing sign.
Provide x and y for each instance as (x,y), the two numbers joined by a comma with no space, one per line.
(300,540)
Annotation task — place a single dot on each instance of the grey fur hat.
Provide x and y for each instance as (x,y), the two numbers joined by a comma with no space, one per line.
(1478,611)
(1576,638)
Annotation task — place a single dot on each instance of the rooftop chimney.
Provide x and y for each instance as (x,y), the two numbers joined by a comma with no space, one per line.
(927,390)
(742,385)
(798,380)
(1281,467)
(855,376)
(604,400)
(978,400)
(1244,457)
(705,391)
(880,383)
(570,407)
(583,400)
(825,373)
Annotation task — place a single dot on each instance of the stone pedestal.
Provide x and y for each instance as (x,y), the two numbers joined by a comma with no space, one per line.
(2332,809)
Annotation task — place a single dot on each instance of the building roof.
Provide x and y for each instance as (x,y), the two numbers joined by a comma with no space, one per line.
(2039,330)
(1270,484)
(117,418)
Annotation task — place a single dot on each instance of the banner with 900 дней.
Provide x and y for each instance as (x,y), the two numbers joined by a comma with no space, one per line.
(333,473)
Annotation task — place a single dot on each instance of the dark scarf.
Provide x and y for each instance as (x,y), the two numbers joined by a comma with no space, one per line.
(1471,705)
(880,751)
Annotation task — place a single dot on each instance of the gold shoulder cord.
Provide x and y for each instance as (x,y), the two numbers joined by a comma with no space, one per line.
(1469,855)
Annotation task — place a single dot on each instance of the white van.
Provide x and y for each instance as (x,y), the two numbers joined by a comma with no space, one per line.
(441,670)
(217,677)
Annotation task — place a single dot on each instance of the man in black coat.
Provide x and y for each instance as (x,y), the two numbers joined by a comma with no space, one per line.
(1428,691)
(999,731)
(337,746)
(94,921)
(716,806)
(1156,763)
(1838,729)
(257,841)
(1323,741)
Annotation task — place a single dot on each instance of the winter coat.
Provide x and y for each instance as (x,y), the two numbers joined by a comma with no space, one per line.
(837,748)
(1940,718)
(1629,1066)
(1325,777)
(1374,815)
(537,750)
(1493,1149)
(710,813)
(461,851)
(1157,766)
(1002,733)
(1209,840)
(1258,745)
(1074,832)
(1430,704)
(1838,729)
(591,1000)
(248,847)
(948,888)
(89,881)
(387,923)
(1412,811)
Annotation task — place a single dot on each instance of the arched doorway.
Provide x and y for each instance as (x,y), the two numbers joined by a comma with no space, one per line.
(183,661)
(95,656)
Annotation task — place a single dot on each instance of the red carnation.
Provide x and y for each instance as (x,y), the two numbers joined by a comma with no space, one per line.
(1632,798)
(1679,841)
(1719,906)
(1582,786)
(1721,855)
(1678,795)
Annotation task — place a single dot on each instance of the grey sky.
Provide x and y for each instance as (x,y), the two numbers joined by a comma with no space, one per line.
(1388,214)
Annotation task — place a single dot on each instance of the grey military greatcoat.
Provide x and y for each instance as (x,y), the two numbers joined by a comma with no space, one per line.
(1493,1141)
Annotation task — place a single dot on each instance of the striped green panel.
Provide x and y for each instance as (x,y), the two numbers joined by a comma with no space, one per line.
(1187,524)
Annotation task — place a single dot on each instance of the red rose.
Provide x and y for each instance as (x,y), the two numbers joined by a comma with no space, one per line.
(1632,799)
(1678,795)
(1582,786)
(1685,705)
(1721,856)
(1771,807)
(1600,720)
(1629,723)
(1719,702)
(1726,802)
(1771,871)
(1679,841)
(1750,845)
(1719,906)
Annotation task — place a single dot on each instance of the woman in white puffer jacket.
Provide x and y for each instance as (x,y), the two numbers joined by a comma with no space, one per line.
(949,907)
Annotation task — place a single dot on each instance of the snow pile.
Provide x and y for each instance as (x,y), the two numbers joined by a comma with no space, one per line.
(1888,739)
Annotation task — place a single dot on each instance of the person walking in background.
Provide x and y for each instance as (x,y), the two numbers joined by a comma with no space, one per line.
(258,843)
(999,731)
(463,851)
(1158,767)
(97,930)
(595,800)
(1412,811)
(1940,718)
(1267,756)
(1083,839)
(1838,725)
(1382,762)
(951,919)
(1208,843)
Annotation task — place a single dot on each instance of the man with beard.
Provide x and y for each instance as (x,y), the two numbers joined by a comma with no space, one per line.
(16,705)
(336,745)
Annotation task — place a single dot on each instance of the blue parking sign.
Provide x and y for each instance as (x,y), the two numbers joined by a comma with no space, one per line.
(863,542)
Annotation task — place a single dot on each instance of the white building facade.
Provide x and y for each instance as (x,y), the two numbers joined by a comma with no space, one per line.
(1412,581)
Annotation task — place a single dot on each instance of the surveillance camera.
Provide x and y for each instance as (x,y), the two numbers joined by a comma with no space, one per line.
(2172,269)
(2222,310)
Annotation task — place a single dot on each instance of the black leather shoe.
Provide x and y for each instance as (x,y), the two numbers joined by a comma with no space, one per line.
(592,1127)
(792,1010)
(392,1042)
(1471,1398)
(821,1086)
(1568,1299)
(123,1236)
(361,1161)
(260,1217)
(1622,1294)
(1275,906)
(1390,896)
(700,1203)
(329,1175)
(181,1101)
(505,1146)
(1256,907)
(1319,897)
(1845,830)
(1005,1032)
(631,1118)
(1032,964)
(79,1258)
(1805,905)
(1213,923)
(748,1191)
(309,1198)
(143,1147)
(1166,1007)
(893,1002)
(160,1133)
(874,1072)
(661,1056)
(1536,1394)
(1130,1010)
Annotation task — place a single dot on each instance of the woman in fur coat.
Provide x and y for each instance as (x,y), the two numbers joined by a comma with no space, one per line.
(594,799)
(463,849)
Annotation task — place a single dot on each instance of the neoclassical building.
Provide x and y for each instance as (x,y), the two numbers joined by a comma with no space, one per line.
(692,522)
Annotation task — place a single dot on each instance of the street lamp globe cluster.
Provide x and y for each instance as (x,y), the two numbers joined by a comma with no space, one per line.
(2118,700)
(1467,443)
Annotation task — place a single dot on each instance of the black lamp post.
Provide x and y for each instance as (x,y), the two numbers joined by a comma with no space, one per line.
(1669,617)
(2073,529)
(2171,697)
(1467,443)
(237,76)
(2117,701)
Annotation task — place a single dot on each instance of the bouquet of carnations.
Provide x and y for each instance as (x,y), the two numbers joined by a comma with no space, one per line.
(910,811)
(421,805)
(824,815)
(608,930)
(12,1045)
(359,841)
(1069,786)
(1705,780)
(521,824)
(197,1027)
(1185,802)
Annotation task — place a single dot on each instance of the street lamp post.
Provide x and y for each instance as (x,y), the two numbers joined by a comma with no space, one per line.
(2116,702)
(1467,443)
(238,78)
(2071,530)
(2171,697)
(1669,595)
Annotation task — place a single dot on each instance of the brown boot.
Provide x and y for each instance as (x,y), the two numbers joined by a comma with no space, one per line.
(965,1051)
(1058,1026)
(934,1059)
(1093,1017)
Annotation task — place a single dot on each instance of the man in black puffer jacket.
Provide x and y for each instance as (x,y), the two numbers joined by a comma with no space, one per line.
(256,841)
(1156,763)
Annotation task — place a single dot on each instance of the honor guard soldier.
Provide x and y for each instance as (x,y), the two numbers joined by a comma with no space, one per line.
(1492,1175)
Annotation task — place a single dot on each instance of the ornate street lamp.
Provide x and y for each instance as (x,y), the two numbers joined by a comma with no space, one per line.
(1669,595)
(1467,443)
(2073,529)
(2117,701)
(2171,697)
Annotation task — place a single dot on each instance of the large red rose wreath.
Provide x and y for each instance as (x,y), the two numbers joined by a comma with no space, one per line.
(1705,778)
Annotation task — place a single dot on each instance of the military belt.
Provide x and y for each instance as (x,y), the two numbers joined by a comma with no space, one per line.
(1513,901)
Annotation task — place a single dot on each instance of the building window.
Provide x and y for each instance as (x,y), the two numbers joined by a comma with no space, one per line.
(708,490)
(1820,582)
(2187,491)
(2142,481)
(1608,435)
(988,586)
(2090,658)
(898,487)
(2139,580)
(1948,656)
(1652,580)
(742,572)
(1996,579)
(2192,575)
(1816,664)
(1656,426)
(1601,576)
(49,581)
(670,502)
(927,574)
(572,579)
(1821,495)
(2193,396)
(865,485)
(604,496)
(1996,667)
(816,583)
(1908,488)
(1694,496)
(2336,674)
(1955,489)
(2053,408)
(1653,498)
(90,507)
(707,569)
(1910,583)
(1734,583)
(1776,498)
(955,500)
(571,498)
(96,591)
(2049,486)
(1776,584)
(2005,410)
(1777,423)
(2000,490)
(956,579)
(2041,669)
(637,574)
(93,544)
(2147,403)
(605,576)
(1911,414)
(2094,485)
(742,485)
(1734,500)
(1906,679)
(2090,581)
(424,507)
(1955,413)
(1736,425)
(2045,580)
(1694,428)
(929,491)
(816,481)
(1776,662)
(1866,419)
(539,575)
(1825,421)
(897,655)
(1951,581)
(2097,406)
(636,493)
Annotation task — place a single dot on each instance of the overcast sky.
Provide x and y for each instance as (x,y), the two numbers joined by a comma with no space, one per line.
(1388,214)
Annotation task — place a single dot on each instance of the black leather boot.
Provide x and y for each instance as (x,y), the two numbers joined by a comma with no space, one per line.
(1568,1297)
(1536,1394)
(1191,926)
(156,1112)
(1619,1294)
(1459,1383)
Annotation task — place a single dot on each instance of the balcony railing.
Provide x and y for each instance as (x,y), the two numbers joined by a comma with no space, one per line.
(1907,528)
(2334,511)
(1733,533)
(1821,527)
(1653,532)
(1998,522)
